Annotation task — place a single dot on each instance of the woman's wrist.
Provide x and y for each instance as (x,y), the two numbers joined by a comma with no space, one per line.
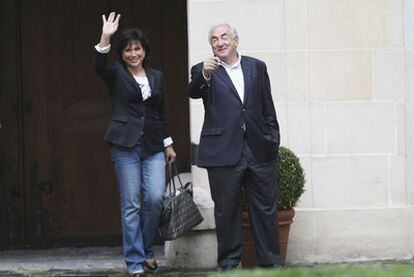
(168,142)
(104,41)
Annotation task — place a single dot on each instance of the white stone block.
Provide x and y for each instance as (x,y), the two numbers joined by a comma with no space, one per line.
(306,200)
(301,243)
(409,23)
(297,35)
(297,76)
(196,249)
(355,23)
(202,197)
(319,136)
(389,74)
(299,128)
(409,113)
(361,128)
(346,182)
(409,74)
(354,235)
(340,75)
(260,25)
(282,118)
(410,181)
(196,119)
(200,177)
(400,126)
(205,204)
(398,189)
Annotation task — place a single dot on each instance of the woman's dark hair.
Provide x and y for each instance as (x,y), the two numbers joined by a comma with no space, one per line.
(133,35)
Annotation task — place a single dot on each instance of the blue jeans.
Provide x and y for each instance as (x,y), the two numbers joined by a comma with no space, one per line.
(139,170)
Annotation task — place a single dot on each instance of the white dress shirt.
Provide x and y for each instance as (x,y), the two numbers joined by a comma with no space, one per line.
(236,75)
(144,86)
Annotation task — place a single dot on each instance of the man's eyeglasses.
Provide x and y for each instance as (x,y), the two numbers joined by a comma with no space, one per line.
(224,38)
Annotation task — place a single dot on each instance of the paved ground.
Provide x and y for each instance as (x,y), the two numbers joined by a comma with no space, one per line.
(94,261)
(90,261)
(68,273)
(99,274)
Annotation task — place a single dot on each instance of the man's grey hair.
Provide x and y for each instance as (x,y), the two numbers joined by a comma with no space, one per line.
(233,30)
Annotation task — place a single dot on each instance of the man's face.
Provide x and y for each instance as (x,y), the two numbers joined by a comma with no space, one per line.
(223,44)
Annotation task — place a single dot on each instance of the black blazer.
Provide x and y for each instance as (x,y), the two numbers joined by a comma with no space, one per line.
(131,116)
(227,120)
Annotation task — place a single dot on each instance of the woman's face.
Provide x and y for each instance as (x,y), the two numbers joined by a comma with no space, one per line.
(133,54)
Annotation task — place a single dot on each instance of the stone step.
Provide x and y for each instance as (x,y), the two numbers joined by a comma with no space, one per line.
(78,261)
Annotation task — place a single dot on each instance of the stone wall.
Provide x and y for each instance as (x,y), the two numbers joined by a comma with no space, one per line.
(342,76)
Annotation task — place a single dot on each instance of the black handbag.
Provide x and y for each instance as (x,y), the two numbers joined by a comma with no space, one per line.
(179,212)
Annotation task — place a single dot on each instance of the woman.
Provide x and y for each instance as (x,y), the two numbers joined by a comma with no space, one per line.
(138,137)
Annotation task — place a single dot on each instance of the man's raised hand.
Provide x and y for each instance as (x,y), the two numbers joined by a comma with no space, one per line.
(209,65)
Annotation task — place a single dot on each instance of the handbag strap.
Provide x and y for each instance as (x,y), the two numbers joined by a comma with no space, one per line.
(170,178)
(171,169)
(177,174)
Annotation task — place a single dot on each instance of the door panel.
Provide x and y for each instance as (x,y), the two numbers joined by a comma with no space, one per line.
(62,124)
(11,152)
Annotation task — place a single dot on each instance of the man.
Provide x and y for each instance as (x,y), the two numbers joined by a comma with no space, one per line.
(238,146)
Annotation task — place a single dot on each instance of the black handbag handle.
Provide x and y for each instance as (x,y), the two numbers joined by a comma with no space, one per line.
(171,169)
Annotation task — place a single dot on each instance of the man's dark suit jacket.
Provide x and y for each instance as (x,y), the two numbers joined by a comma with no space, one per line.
(228,121)
(131,116)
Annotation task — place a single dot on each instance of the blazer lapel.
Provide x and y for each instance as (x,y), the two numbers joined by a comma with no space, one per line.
(247,74)
(151,80)
(222,74)
(134,82)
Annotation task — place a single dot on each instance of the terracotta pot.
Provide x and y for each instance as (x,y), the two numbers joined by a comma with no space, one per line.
(285,218)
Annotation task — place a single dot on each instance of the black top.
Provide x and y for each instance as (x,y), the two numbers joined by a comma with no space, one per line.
(131,116)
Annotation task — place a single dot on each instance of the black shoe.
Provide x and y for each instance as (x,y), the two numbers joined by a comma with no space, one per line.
(151,266)
(274,266)
(228,267)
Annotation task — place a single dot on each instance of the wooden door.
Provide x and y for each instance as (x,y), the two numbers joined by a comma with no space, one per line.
(70,194)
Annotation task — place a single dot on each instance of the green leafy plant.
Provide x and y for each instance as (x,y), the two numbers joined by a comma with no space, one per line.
(291,180)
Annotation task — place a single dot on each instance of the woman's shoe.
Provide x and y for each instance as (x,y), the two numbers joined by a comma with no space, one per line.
(151,265)
(137,274)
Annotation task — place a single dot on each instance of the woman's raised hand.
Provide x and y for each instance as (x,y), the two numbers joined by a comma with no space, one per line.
(110,25)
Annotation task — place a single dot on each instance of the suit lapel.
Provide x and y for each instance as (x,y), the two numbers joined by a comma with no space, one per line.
(132,80)
(247,73)
(151,80)
(222,74)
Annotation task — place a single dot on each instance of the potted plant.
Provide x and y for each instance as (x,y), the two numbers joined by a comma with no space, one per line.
(290,182)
